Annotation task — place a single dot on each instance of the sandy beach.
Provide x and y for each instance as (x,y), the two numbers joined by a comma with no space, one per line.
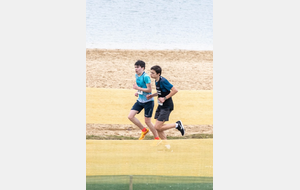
(114,69)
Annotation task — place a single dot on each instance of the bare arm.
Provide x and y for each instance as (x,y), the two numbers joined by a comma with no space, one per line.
(151,95)
(172,93)
(148,89)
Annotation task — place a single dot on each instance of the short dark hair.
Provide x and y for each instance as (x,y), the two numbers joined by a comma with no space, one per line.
(157,69)
(140,63)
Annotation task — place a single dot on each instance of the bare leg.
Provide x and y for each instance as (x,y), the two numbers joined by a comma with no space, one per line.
(157,126)
(168,126)
(161,127)
(162,135)
(151,127)
(134,120)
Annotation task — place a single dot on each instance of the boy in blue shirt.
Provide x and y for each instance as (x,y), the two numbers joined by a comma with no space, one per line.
(143,87)
(165,91)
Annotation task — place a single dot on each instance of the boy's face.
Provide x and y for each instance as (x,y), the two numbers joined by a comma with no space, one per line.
(153,74)
(138,69)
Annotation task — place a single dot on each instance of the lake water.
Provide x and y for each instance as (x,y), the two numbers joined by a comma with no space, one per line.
(149,24)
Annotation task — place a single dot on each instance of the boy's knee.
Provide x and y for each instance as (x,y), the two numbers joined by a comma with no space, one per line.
(157,128)
(130,117)
(148,122)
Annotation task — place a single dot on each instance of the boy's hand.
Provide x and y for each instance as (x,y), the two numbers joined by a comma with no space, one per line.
(149,96)
(136,94)
(135,87)
(161,99)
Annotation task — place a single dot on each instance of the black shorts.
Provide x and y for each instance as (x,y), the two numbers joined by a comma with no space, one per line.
(148,106)
(162,114)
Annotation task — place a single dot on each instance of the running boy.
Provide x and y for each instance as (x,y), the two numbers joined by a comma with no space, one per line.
(143,87)
(165,91)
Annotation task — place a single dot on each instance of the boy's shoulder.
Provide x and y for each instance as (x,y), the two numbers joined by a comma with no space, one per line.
(146,75)
(163,79)
(165,82)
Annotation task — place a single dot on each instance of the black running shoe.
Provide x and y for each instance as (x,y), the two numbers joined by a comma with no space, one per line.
(180,127)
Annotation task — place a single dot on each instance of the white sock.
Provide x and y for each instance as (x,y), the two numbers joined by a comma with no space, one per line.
(176,125)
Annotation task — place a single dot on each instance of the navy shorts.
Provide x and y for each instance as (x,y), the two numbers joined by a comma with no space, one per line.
(148,106)
(162,114)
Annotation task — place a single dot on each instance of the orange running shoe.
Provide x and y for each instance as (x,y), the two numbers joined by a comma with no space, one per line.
(143,134)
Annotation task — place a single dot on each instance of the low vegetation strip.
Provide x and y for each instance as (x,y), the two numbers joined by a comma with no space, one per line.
(149,137)
(148,182)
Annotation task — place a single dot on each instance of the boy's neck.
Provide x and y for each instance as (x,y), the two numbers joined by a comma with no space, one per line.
(141,73)
(157,79)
